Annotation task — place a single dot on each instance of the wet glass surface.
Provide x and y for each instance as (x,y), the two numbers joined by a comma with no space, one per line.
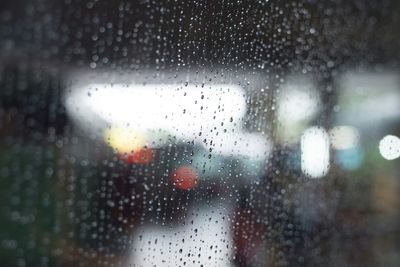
(199,133)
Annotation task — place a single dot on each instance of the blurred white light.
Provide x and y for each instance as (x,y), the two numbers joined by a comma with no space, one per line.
(297,101)
(344,137)
(315,152)
(159,246)
(180,110)
(254,146)
(161,111)
(389,147)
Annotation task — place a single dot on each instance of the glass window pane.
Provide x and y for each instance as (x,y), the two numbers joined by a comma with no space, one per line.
(199,133)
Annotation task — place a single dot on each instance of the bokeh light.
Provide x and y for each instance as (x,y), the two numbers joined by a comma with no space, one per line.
(389,147)
(344,137)
(124,140)
(142,156)
(315,152)
(184,178)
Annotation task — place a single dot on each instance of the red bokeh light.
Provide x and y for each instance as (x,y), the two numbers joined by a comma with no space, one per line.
(142,156)
(184,178)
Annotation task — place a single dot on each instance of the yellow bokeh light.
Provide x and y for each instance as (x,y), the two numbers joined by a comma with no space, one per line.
(124,139)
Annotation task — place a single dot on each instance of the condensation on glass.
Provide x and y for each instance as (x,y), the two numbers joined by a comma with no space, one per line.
(199,133)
